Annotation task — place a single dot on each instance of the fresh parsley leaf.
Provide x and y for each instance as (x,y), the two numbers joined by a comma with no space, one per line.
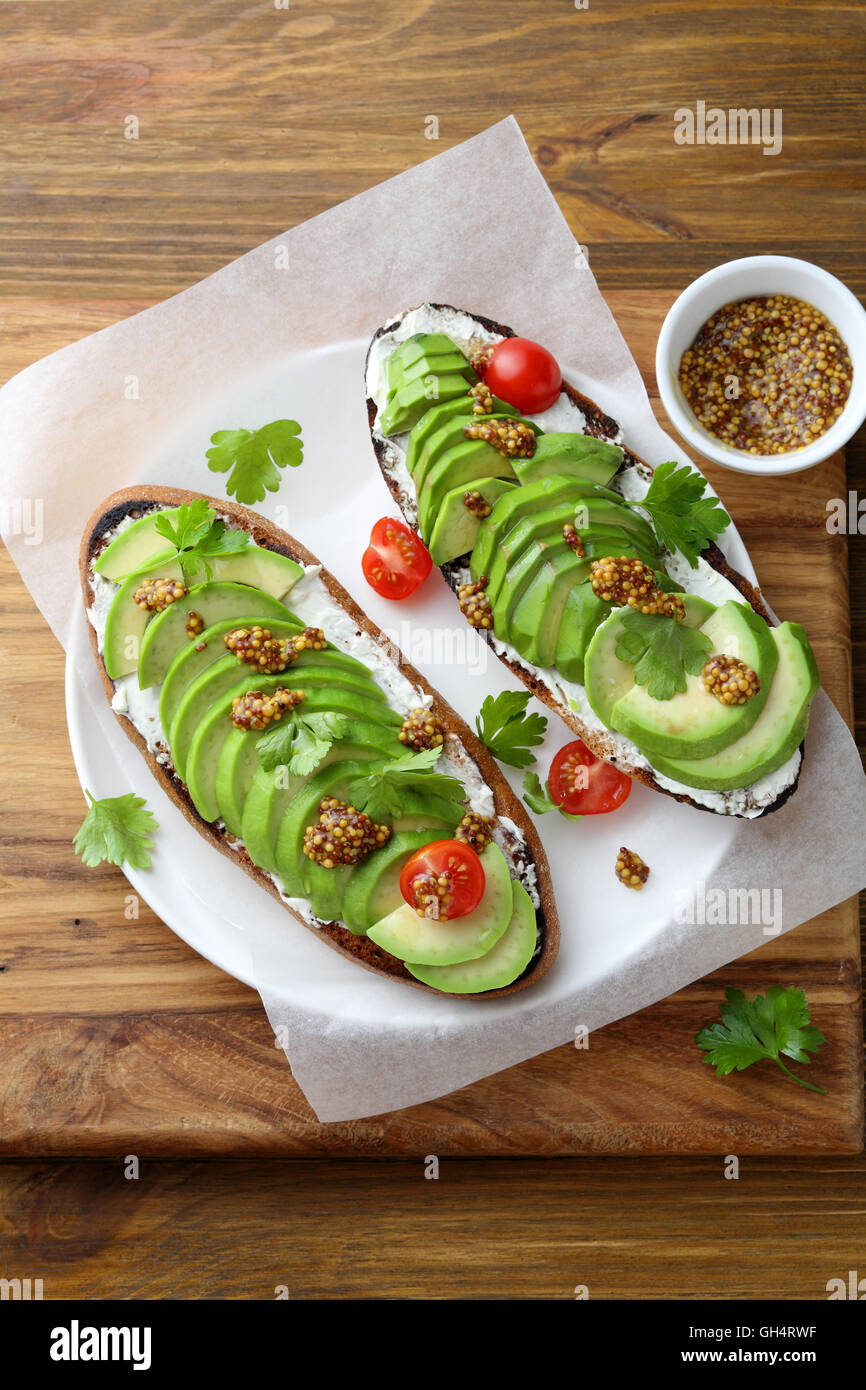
(118,830)
(253,458)
(507,730)
(770,1026)
(382,790)
(662,651)
(538,798)
(200,536)
(300,741)
(682,517)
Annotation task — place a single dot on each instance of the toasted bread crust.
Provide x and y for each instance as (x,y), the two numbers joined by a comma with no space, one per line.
(602,426)
(364,952)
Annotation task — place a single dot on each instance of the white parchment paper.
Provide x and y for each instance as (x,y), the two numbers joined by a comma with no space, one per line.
(95,416)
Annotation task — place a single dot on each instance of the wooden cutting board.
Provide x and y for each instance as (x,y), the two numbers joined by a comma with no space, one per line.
(116,1038)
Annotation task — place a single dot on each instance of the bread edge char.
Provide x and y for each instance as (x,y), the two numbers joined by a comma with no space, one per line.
(602,426)
(357,948)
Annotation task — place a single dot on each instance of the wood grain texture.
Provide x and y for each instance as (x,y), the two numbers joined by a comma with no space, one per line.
(252,119)
(117,1018)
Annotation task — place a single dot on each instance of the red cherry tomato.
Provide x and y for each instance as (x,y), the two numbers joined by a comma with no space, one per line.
(583,785)
(444,879)
(396,562)
(524,374)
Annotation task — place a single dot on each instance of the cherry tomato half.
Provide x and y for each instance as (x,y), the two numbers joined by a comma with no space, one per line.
(444,879)
(583,785)
(524,374)
(396,562)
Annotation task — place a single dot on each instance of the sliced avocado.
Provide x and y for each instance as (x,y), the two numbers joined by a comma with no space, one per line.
(777,732)
(456,527)
(209,647)
(427,365)
(593,512)
(447,436)
(497,968)
(458,466)
(422,941)
(239,762)
(325,889)
(262,569)
(421,345)
(408,404)
(513,507)
(694,723)
(613,540)
(544,526)
(574,455)
(303,811)
(582,614)
(605,676)
(374,888)
(433,419)
(165,636)
(138,546)
(535,622)
(221,682)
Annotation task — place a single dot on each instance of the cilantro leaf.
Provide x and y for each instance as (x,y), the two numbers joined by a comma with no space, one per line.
(682,517)
(200,536)
(382,790)
(253,458)
(662,651)
(770,1027)
(118,830)
(300,741)
(507,730)
(538,798)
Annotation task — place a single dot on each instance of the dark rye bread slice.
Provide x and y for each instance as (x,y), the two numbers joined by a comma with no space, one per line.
(602,426)
(137,502)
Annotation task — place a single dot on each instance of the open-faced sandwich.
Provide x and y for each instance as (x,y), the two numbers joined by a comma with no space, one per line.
(300,743)
(593,576)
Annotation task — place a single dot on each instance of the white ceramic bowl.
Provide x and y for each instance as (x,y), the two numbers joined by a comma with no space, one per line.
(744,279)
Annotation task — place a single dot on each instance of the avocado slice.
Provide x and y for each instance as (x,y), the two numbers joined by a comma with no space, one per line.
(458,466)
(606,677)
(777,732)
(433,419)
(325,889)
(500,966)
(427,365)
(303,811)
(226,678)
(409,403)
(165,636)
(456,527)
(209,647)
(136,547)
(125,626)
(239,762)
(447,436)
(694,723)
(535,622)
(543,526)
(582,614)
(516,506)
(423,941)
(422,345)
(374,888)
(574,455)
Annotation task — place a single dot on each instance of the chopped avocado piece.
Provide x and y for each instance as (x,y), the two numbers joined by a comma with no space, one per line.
(166,635)
(456,527)
(408,404)
(593,512)
(429,364)
(126,622)
(447,942)
(544,526)
(777,732)
(534,626)
(374,888)
(433,419)
(446,437)
(209,646)
(459,466)
(325,889)
(694,723)
(575,455)
(605,676)
(125,627)
(497,968)
(303,811)
(136,547)
(422,345)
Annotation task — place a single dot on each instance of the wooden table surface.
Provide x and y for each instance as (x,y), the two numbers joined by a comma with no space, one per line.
(251,118)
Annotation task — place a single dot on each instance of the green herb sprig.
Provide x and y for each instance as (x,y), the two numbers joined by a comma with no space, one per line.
(116,830)
(507,730)
(662,650)
(253,458)
(199,536)
(767,1027)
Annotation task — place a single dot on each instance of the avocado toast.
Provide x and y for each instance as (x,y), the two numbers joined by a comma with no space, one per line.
(539,524)
(202,667)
